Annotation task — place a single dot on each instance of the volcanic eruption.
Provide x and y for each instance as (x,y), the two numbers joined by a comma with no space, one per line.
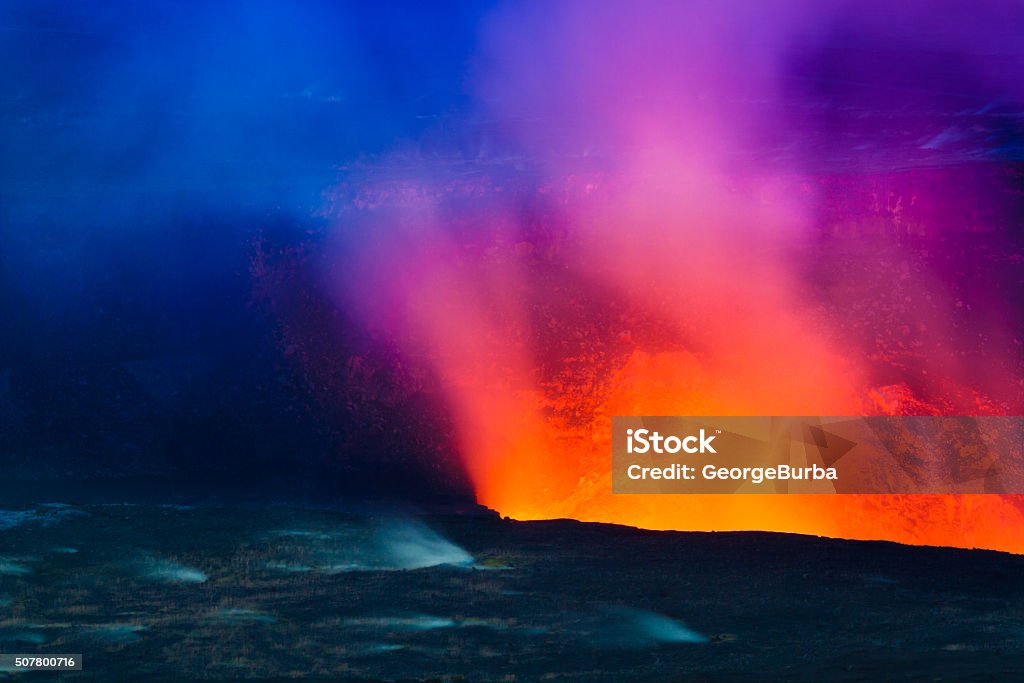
(670,214)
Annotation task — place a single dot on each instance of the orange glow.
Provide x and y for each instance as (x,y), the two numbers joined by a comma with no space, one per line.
(651,384)
(647,267)
(731,339)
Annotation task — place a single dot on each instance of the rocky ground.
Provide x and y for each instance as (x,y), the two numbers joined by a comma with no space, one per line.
(179,593)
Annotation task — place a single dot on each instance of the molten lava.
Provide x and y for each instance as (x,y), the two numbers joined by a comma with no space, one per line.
(699,226)
(538,340)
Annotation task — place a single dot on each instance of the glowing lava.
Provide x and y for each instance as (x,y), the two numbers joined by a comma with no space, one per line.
(537,344)
(666,282)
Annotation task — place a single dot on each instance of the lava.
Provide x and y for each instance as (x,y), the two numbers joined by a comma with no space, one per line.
(537,341)
(700,229)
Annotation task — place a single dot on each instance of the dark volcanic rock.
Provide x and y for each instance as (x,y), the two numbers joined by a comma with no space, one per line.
(265,593)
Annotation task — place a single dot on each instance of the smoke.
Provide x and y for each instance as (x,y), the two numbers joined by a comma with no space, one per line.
(647,257)
(390,544)
(168,571)
(585,209)
(145,144)
(148,148)
(629,628)
(123,108)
